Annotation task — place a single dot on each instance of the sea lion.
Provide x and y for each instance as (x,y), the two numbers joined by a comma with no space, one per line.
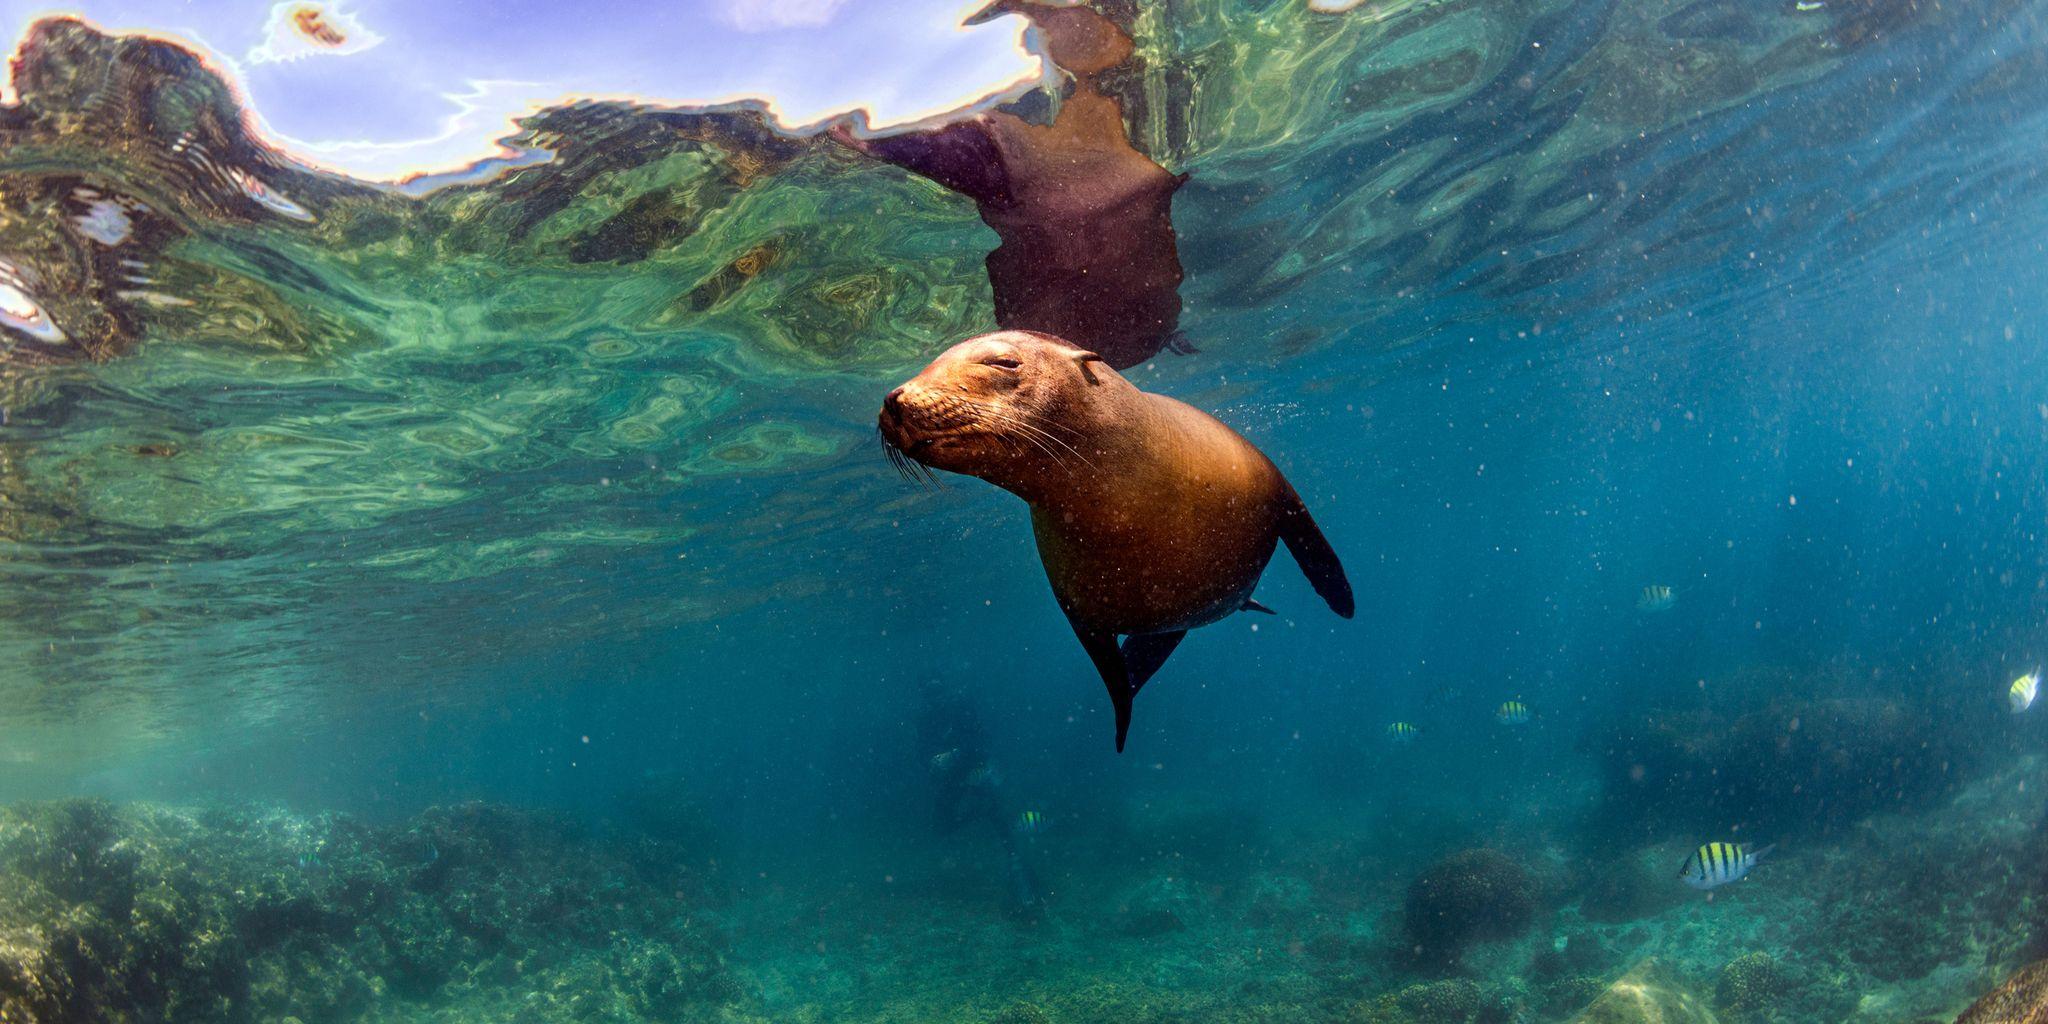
(1087,247)
(1152,517)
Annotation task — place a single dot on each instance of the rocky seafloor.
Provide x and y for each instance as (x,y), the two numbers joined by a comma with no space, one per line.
(483,913)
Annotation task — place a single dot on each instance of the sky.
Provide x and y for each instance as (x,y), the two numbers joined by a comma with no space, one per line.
(383,90)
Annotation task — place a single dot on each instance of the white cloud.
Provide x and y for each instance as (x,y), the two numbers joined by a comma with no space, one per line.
(774,15)
(299,28)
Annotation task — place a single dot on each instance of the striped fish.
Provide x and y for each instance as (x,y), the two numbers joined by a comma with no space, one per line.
(1513,712)
(2023,690)
(1720,863)
(1657,598)
(1401,732)
(1030,823)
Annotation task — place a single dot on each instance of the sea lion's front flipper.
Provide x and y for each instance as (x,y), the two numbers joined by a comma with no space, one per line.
(1317,559)
(1145,652)
(1109,661)
(962,156)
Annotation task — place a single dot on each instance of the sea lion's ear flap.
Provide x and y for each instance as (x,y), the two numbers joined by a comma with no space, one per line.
(1082,359)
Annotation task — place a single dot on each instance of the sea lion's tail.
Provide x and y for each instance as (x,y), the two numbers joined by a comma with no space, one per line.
(1121,699)
(1313,553)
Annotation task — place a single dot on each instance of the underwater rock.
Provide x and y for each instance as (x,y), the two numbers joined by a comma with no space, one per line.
(1579,954)
(1276,900)
(1617,890)
(1158,906)
(2021,999)
(1469,896)
(1790,766)
(1563,997)
(1647,994)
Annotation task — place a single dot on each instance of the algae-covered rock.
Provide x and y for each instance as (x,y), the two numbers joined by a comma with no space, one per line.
(1647,994)
(143,914)
(2022,999)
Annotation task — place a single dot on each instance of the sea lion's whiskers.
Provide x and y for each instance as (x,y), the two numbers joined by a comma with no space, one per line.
(905,466)
(1033,431)
(1031,434)
(1014,418)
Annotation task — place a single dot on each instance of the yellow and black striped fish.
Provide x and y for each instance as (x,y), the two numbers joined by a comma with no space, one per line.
(1513,712)
(1030,823)
(1720,863)
(2023,690)
(1401,732)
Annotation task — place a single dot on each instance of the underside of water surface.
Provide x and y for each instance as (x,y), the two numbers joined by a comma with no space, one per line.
(489,601)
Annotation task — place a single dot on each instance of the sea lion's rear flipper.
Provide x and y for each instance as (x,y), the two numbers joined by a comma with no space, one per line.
(1317,559)
(1109,661)
(1145,652)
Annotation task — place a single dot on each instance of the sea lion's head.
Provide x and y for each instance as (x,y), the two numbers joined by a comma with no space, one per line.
(1007,407)
(1080,40)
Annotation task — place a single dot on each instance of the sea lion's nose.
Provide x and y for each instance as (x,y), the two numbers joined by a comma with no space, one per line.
(892,404)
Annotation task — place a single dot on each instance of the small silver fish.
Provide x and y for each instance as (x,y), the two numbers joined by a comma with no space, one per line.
(1720,863)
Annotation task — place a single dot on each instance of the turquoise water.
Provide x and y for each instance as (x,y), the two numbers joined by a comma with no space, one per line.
(492,604)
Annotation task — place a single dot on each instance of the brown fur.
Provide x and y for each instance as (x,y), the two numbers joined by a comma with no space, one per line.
(1152,517)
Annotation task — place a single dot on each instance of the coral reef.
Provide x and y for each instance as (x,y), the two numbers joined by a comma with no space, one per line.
(1450,1001)
(477,913)
(1750,982)
(144,914)
(1468,896)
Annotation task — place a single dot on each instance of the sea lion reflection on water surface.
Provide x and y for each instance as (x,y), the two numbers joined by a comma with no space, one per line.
(1152,517)
(1088,250)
